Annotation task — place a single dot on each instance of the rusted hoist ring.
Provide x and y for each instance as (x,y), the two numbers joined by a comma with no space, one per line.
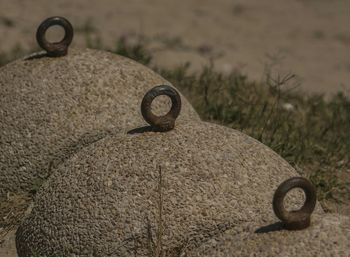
(58,48)
(300,219)
(166,122)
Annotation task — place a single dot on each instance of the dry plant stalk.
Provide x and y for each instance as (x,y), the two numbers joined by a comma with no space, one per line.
(159,245)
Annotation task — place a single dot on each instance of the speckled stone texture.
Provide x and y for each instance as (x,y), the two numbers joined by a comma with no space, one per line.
(105,200)
(51,107)
(328,235)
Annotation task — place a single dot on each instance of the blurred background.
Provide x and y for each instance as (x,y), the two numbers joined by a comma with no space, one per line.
(308,38)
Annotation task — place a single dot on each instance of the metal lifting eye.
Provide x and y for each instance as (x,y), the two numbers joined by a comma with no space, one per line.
(166,122)
(58,48)
(300,219)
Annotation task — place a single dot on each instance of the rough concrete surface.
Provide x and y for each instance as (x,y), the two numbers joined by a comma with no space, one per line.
(51,107)
(328,235)
(106,199)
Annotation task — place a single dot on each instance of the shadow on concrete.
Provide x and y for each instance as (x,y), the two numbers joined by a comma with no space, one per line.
(270,228)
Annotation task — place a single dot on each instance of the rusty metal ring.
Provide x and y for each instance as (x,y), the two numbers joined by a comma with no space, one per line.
(166,122)
(300,219)
(58,48)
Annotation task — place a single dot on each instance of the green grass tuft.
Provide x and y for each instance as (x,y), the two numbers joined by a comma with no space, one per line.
(135,51)
(308,131)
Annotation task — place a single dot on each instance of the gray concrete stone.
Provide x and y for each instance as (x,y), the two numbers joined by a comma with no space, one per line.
(51,107)
(106,199)
(328,235)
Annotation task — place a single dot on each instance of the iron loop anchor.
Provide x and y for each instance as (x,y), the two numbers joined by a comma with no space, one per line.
(166,122)
(299,219)
(55,49)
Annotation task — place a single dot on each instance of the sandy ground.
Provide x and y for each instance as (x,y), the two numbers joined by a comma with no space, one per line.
(310,38)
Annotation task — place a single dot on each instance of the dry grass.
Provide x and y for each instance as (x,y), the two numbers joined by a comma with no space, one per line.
(12,211)
(155,247)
